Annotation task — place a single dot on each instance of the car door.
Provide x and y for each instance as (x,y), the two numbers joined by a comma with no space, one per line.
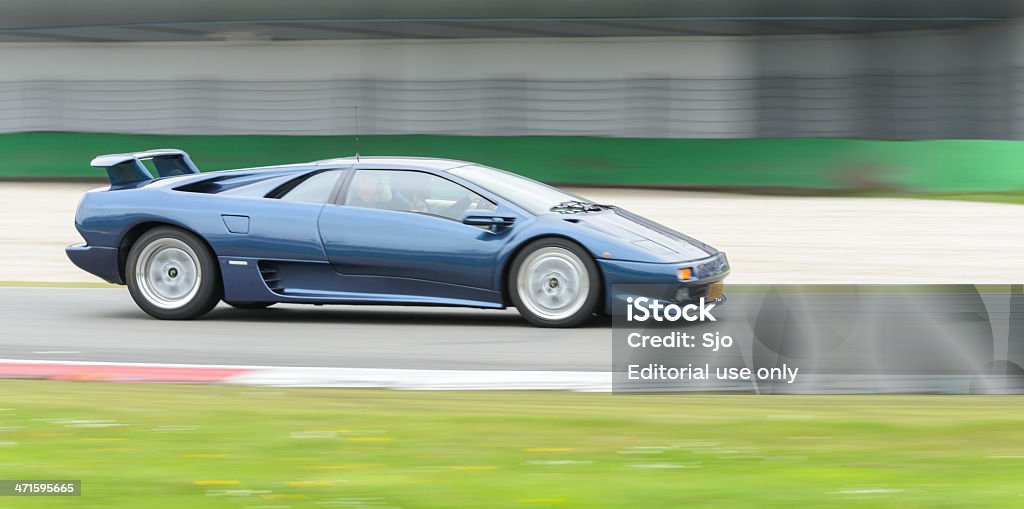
(399,231)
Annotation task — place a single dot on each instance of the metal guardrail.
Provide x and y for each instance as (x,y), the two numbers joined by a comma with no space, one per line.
(971,104)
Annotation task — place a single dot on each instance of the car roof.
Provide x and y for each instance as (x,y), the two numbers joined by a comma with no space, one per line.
(429,163)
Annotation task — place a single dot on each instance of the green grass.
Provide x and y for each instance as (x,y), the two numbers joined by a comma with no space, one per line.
(141,446)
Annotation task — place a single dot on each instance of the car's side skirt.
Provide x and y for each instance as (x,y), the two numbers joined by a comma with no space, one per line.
(255,280)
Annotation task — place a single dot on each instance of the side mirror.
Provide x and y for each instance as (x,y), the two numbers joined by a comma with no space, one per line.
(486,218)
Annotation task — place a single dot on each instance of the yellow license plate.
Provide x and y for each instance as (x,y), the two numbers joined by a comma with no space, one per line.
(715,290)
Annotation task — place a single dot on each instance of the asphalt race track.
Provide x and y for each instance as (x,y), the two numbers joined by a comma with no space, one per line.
(907,342)
(105,325)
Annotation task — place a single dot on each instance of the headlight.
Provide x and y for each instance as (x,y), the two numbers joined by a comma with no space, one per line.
(713,267)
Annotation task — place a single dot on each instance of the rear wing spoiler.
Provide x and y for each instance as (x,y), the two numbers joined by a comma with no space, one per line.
(128,168)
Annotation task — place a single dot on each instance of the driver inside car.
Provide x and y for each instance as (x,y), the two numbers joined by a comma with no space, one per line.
(409,192)
(368,192)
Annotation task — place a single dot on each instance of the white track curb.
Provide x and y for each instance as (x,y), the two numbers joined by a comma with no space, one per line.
(278,376)
(427,379)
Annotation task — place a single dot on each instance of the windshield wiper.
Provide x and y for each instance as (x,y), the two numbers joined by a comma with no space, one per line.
(573,206)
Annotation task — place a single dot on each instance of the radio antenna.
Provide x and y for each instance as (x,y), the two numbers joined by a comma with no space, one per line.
(357,132)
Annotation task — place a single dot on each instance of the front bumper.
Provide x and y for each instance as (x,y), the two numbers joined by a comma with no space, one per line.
(707,271)
(96,260)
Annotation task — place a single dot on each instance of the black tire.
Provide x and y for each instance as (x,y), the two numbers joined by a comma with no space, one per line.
(250,305)
(559,254)
(183,255)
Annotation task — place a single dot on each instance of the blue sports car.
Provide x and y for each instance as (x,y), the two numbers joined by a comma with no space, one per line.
(372,230)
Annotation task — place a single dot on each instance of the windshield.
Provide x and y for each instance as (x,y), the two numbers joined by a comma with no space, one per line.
(529,194)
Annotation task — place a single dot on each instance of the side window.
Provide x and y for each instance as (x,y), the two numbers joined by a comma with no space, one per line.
(314,189)
(413,191)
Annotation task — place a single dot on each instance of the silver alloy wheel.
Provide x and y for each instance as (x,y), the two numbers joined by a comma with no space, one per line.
(553,283)
(168,273)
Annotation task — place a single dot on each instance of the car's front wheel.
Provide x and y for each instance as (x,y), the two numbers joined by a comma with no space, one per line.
(172,275)
(554,282)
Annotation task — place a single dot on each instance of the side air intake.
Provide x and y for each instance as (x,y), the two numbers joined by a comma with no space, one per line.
(271,277)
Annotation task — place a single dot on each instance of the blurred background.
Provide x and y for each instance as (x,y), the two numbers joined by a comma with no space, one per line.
(797,97)
(792,95)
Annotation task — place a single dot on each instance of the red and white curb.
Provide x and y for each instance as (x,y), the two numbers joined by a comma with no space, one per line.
(278,376)
(117,372)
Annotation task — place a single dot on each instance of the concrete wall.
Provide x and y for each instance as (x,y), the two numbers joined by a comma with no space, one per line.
(959,84)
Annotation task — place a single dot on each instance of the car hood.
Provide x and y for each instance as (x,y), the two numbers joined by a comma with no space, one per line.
(660,241)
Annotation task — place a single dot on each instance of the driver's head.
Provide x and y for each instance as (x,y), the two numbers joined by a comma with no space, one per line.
(370,190)
(413,185)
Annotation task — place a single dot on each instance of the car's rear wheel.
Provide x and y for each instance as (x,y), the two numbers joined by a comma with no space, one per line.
(554,283)
(172,275)
(250,305)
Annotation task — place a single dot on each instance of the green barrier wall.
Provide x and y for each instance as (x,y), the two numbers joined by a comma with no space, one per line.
(787,164)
